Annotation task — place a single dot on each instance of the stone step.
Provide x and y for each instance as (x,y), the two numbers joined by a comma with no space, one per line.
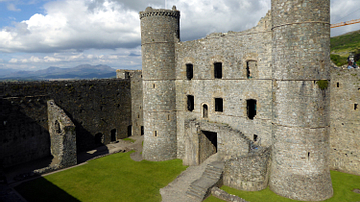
(193,196)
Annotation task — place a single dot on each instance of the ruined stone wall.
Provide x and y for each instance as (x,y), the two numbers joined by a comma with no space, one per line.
(301,49)
(159,32)
(62,137)
(344,121)
(236,51)
(135,76)
(249,172)
(95,106)
(24,132)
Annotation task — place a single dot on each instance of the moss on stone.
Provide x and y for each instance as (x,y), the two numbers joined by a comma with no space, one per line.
(323,84)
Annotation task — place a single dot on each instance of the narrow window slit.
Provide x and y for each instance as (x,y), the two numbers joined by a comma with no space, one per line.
(189,71)
(251,108)
(190,103)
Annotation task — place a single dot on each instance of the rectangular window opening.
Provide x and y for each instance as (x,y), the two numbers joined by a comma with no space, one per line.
(219,105)
(190,103)
(337,84)
(142,130)
(251,108)
(189,71)
(218,70)
(155,133)
(355,106)
(205,111)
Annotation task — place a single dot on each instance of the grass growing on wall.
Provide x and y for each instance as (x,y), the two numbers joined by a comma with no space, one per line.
(112,178)
(343,185)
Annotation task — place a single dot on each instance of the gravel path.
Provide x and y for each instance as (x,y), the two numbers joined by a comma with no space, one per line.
(175,191)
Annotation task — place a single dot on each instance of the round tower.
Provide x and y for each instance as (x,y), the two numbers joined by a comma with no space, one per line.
(159,33)
(301,62)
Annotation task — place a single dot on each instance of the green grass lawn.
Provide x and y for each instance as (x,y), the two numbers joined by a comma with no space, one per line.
(112,178)
(343,185)
(129,139)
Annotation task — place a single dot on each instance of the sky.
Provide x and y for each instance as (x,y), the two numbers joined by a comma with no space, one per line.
(37,34)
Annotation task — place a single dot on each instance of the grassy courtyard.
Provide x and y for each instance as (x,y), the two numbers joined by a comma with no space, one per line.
(118,178)
(343,185)
(112,178)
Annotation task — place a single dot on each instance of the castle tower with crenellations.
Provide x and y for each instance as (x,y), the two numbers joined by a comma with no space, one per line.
(301,99)
(159,33)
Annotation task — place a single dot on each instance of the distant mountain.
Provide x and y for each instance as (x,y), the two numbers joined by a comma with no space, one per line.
(85,71)
(342,45)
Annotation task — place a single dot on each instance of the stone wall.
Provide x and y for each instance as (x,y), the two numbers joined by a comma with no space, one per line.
(159,32)
(344,121)
(24,132)
(249,172)
(62,137)
(301,50)
(230,142)
(135,76)
(236,51)
(98,108)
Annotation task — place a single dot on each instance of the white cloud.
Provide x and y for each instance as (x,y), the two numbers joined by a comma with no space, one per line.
(12,7)
(69,24)
(13,60)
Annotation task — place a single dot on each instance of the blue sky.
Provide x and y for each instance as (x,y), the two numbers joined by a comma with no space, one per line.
(36,34)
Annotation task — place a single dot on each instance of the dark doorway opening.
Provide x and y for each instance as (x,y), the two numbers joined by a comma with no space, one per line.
(190,103)
(255,137)
(142,130)
(218,70)
(208,144)
(205,111)
(355,106)
(129,130)
(189,71)
(251,108)
(219,105)
(99,138)
(113,135)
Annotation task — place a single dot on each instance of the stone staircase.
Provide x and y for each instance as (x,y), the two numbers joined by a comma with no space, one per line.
(212,176)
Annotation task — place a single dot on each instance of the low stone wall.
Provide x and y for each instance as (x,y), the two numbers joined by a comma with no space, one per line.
(249,172)
(230,142)
(62,137)
(223,195)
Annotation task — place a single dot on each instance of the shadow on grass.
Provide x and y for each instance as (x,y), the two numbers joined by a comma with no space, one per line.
(41,190)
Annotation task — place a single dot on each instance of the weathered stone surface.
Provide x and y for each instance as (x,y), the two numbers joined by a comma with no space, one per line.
(344,121)
(62,137)
(249,172)
(223,195)
(159,32)
(95,106)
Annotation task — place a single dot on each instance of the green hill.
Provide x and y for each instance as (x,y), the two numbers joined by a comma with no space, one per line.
(342,45)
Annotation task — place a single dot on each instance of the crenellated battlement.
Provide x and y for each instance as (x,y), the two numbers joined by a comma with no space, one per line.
(159,12)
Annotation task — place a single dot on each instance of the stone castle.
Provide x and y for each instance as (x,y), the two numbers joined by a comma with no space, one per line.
(266,100)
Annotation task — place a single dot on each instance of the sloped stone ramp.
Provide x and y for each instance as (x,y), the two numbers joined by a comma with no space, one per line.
(201,188)
(176,190)
(194,183)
